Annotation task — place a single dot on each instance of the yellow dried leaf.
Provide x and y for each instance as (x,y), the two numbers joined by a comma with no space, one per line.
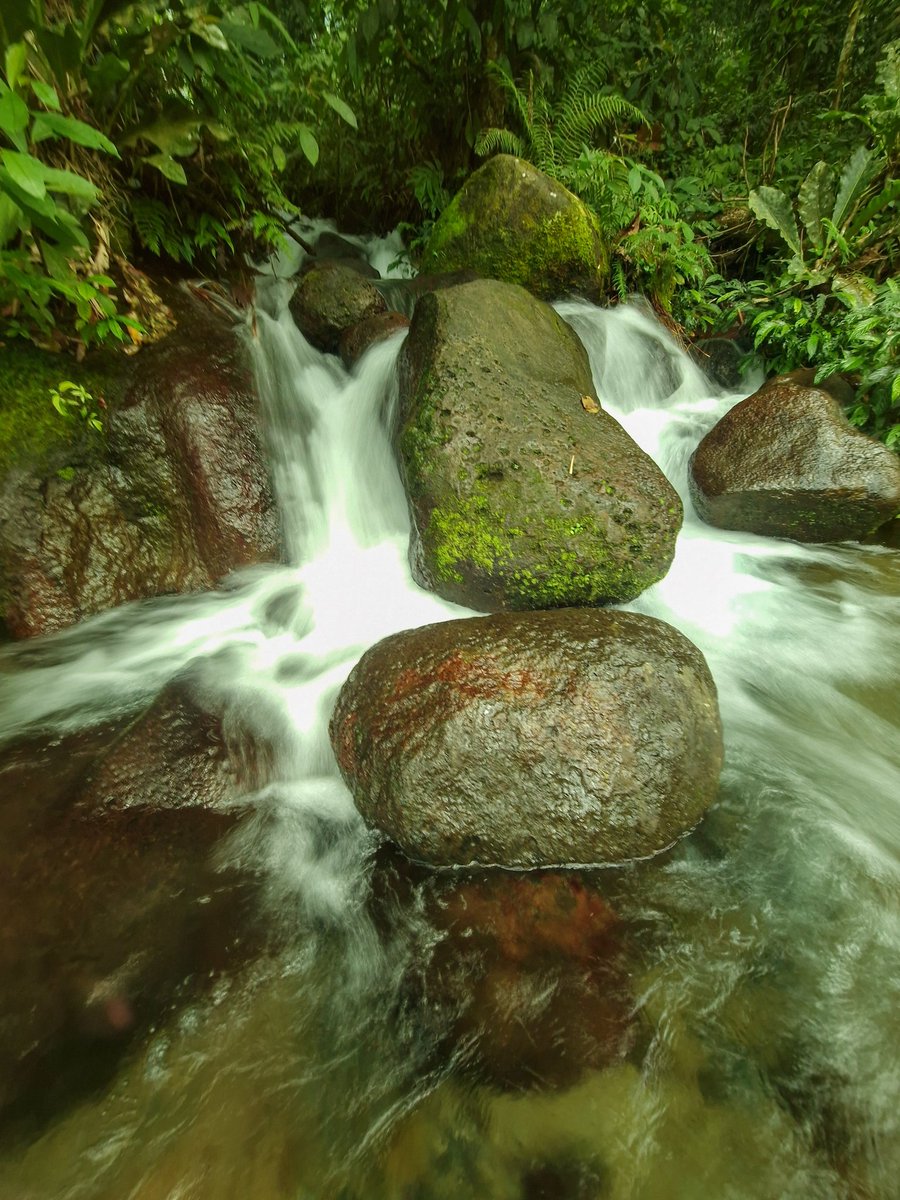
(589,404)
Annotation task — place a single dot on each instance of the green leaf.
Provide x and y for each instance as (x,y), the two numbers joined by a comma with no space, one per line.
(888,194)
(14,116)
(467,21)
(175,134)
(279,158)
(10,219)
(773,207)
(26,171)
(814,202)
(210,33)
(308,144)
(70,184)
(342,109)
(46,94)
(168,166)
(48,125)
(256,41)
(852,183)
(16,58)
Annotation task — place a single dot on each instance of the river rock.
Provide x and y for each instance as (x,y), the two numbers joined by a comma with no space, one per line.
(329,299)
(356,340)
(174,498)
(785,462)
(523,492)
(531,739)
(526,986)
(510,221)
(112,905)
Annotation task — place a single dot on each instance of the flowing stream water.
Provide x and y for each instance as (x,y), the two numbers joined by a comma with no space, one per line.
(761,953)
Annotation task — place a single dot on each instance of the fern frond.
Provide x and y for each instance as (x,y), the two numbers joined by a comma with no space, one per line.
(521,100)
(150,222)
(499,141)
(579,116)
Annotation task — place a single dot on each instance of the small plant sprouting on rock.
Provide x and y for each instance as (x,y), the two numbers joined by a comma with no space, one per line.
(74,400)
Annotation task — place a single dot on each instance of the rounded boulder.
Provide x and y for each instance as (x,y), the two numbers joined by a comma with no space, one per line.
(570,736)
(786,463)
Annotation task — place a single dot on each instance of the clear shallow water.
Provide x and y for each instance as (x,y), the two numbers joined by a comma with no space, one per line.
(364,1055)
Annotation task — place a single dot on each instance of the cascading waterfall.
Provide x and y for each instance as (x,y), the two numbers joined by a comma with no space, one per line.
(767,941)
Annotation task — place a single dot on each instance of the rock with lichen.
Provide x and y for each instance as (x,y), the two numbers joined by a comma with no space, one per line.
(524,493)
(510,221)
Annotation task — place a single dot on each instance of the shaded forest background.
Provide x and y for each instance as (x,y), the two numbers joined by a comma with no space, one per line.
(742,159)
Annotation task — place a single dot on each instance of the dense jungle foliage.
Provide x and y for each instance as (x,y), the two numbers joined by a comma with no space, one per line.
(743,157)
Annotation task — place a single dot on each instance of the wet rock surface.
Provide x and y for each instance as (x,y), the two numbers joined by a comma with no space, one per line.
(523,492)
(177,497)
(786,463)
(331,298)
(528,740)
(510,221)
(526,977)
(356,340)
(113,907)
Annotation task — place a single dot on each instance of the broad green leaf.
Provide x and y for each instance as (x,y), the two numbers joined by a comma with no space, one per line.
(210,33)
(773,207)
(44,213)
(46,94)
(279,158)
(342,109)
(177,135)
(888,195)
(246,37)
(853,181)
(106,75)
(16,58)
(14,116)
(27,171)
(815,201)
(10,219)
(308,144)
(471,26)
(70,184)
(48,125)
(58,267)
(168,166)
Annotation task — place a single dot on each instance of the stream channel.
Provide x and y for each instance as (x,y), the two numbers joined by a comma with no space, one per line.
(741,1038)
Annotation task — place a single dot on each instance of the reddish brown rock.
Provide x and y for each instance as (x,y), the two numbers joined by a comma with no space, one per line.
(178,497)
(571,736)
(356,340)
(113,906)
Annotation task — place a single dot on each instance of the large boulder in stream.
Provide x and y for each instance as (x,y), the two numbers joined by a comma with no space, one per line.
(329,299)
(531,739)
(173,498)
(524,493)
(510,221)
(785,462)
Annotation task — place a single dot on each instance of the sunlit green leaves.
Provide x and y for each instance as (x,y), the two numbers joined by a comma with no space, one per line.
(48,125)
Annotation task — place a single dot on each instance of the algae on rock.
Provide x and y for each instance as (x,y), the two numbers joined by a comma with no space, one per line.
(510,221)
(520,497)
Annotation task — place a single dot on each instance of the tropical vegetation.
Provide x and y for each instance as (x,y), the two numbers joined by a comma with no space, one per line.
(743,158)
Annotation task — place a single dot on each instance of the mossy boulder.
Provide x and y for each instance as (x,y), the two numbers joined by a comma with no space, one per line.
(786,463)
(510,221)
(523,492)
(531,739)
(331,298)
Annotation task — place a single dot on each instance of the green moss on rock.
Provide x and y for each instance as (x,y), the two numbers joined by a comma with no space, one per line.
(514,223)
(31,430)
